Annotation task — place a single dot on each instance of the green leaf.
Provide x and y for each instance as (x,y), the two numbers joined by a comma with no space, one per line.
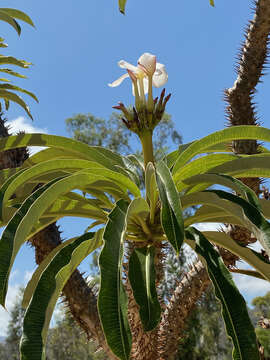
(112,299)
(254,259)
(252,273)
(17,88)
(9,245)
(242,132)
(7,18)
(19,227)
(234,310)
(22,177)
(202,165)
(13,73)
(7,95)
(18,14)
(228,181)
(212,2)
(13,61)
(151,190)
(136,217)
(122,5)
(256,222)
(249,166)
(142,277)
(72,147)
(171,211)
(45,288)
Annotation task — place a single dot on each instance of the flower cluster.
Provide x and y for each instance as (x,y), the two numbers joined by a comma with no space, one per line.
(147,113)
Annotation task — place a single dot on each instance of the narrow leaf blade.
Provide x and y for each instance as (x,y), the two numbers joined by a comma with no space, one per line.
(142,278)
(235,314)
(112,299)
(171,212)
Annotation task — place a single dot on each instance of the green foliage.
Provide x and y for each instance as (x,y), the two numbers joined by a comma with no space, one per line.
(171,213)
(106,179)
(237,321)
(112,299)
(9,16)
(142,277)
(48,288)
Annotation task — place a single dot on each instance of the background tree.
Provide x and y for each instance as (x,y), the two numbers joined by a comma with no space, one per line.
(261,313)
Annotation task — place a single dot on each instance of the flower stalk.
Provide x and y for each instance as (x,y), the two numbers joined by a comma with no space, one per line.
(147,146)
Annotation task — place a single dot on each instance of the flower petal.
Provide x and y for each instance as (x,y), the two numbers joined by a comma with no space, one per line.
(145,85)
(125,65)
(160,76)
(118,81)
(148,62)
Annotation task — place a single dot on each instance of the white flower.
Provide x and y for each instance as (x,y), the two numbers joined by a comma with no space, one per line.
(147,73)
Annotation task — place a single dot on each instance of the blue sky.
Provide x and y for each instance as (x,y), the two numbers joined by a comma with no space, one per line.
(75,49)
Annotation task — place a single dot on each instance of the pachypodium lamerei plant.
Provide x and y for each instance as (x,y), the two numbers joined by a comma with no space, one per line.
(129,219)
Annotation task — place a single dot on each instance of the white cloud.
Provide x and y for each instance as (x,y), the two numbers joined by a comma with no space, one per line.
(28,275)
(23,124)
(250,286)
(13,291)
(10,301)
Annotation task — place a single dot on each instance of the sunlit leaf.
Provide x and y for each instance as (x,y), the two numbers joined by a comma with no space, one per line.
(234,310)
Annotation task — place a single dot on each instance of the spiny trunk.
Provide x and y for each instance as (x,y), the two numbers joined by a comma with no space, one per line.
(174,318)
(79,297)
(241,108)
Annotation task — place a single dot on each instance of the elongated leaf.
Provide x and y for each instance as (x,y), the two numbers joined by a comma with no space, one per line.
(112,299)
(17,88)
(82,150)
(28,215)
(242,132)
(254,259)
(234,310)
(171,212)
(136,217)
(251,166)
(260,227)
(13,73)
(18,14)
(122,5)
(13,61)
(7,18)
(7,242)
(45,288)
(202,165)
(212,2)
(228,181)
(17,99)
(151,190)
(142,277)
(26,175)
(252,273)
